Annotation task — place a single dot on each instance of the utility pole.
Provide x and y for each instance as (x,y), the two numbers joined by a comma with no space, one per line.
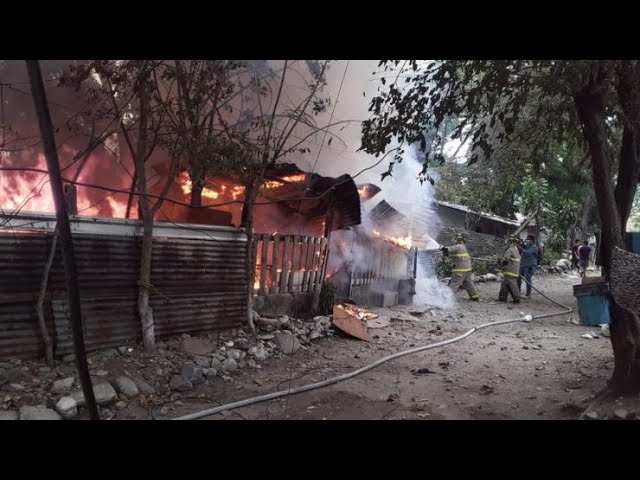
(64,232)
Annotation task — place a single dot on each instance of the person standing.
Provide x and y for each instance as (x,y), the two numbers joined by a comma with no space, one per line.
(461,271)
(511,272)
(528,264)
(574,255)
(584,254)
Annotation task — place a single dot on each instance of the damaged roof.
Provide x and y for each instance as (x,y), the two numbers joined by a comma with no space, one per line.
(316,195)
(488,216)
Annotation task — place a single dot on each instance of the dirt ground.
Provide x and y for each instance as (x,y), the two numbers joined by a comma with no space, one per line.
(543,369)
(537,370)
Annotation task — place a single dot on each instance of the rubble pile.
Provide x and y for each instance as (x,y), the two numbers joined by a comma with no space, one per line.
(130,375)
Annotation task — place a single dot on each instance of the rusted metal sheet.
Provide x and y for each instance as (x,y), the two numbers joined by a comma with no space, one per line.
(20,335)
(198,284)
(113,321)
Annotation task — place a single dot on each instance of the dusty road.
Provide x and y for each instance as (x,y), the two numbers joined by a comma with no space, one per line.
(537,370)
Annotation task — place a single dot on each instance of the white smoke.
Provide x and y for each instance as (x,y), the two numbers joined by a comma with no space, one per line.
(403,190)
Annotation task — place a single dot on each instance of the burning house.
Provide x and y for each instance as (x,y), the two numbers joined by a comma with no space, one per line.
(198,266)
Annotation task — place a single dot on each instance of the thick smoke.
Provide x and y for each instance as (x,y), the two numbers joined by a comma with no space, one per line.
(403,191)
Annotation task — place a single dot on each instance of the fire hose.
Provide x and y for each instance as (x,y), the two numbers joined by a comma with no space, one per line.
(366,368)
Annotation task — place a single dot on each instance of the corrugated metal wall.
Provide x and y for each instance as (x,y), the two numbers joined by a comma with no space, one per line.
(198,285)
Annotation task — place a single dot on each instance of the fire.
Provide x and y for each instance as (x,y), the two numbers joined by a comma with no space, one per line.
(294,178)
(237,191)
(362,191)
(272,184)
(24,191)
(404,242)
(186,185)
(354,311)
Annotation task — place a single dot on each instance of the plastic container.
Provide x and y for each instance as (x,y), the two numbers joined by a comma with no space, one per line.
(594,307)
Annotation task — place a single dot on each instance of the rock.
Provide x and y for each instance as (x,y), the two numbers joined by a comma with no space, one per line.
(39,412)
(102,373)
(252,363)
(242,364)
(217,364)
(287,343)
(120,405)
(8,415)
(67,407)
(126,386)
(317,333)
(229,365)
(202,361)
(234,354)
(104,393)
(262,354)
(17,387)
(6,365)
(125,350)
(16,361)
(197,346)
(242,344)
(164,410)
(145,388)
(193,374)
(44,369)
(210,372)
(591,416)
(621,414)
(252,351)
(180,384)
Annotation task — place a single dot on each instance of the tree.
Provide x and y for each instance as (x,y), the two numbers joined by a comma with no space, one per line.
(595,102)
(125,92)
(197,93)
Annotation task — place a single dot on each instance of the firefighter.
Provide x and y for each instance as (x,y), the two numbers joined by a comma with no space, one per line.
(461,267)
(510,269)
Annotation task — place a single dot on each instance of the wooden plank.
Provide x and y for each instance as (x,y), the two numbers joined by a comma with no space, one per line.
(275,276)
(286,256)
(318,266)
(263,263)
(305,263)
(314,263)
(324,257)
(295,242)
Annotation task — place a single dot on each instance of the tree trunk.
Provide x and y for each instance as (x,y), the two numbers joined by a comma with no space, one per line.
(196,192)
(48,344)
(624,340)
(144,283)
(247,223)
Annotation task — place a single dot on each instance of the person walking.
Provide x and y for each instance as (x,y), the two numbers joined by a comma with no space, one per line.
(511,271)
(461,271)
(528,264)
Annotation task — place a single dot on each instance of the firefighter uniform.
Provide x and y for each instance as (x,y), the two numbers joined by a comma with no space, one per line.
(461,274)
(510,270)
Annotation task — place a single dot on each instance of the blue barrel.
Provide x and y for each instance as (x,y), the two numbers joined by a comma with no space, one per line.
(593,303)
(633,242)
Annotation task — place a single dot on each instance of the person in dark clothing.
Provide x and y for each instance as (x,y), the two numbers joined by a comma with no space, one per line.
(528,263)
(584,254)
(574,255)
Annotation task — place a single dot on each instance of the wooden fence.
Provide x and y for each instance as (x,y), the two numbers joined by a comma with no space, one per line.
(288,263)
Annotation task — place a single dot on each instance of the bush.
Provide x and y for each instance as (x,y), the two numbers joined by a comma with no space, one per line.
(328,297)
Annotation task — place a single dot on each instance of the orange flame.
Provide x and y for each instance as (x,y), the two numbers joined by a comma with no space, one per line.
(403,242)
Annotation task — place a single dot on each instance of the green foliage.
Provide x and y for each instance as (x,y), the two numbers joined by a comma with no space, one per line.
(328,297)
